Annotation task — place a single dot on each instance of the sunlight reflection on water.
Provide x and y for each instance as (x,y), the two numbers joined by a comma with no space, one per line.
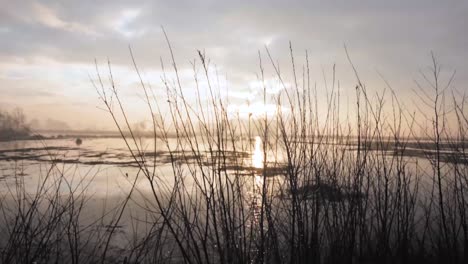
(257,195)
(257,157)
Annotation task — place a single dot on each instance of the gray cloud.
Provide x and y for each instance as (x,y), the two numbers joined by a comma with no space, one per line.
(231,25)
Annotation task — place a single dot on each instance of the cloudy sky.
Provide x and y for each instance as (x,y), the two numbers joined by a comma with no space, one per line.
(48,48)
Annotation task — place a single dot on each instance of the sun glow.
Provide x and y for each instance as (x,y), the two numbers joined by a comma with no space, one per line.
(255,110)
(257,156)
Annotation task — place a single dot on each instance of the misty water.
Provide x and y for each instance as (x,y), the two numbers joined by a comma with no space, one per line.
(104,169)
(101,167)
(106,166)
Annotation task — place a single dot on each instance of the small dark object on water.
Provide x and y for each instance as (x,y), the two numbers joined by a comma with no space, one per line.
(78,141)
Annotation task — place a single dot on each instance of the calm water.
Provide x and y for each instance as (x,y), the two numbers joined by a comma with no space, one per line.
(104,169)
(108,164)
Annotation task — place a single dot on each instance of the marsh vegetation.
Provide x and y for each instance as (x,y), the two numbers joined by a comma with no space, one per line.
(306,184)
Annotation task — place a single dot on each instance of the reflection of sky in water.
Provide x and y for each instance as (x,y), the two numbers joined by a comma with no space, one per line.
(102,164)
(102,168)
(33,163)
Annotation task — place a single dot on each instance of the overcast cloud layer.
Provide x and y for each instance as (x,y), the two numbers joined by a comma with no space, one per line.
(47,48)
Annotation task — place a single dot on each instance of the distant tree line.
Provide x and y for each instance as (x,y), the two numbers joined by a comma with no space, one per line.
(13,125)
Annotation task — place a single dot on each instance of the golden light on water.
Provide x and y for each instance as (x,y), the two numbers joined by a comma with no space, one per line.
(257,156)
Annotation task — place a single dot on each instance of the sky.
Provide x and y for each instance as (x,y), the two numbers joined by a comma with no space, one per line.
(48,48)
